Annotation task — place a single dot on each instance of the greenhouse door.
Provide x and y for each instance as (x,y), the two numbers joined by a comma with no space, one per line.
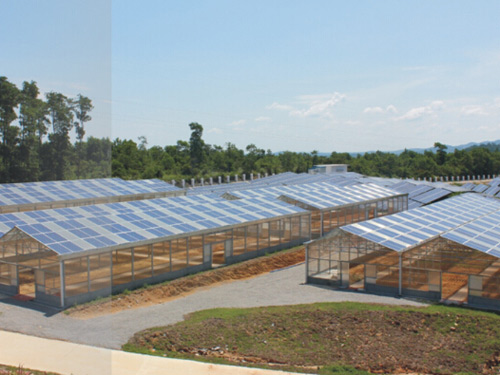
(26,281)
(454,287)
(356,276)
(220,251)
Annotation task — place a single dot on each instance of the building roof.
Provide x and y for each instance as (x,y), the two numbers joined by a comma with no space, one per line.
(404,230)
(75,230)
(68,190)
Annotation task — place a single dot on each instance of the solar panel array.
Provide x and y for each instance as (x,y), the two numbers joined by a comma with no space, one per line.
(422,192)
(406,229)
(77,229)
(482,234)
(495,182)
(320,195)
(282,179)
(480,188)
(54,191)
(492,189)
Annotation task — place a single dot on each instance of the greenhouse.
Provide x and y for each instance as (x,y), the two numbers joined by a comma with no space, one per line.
(73,255)
(448,251)
(30,196)
(332,206)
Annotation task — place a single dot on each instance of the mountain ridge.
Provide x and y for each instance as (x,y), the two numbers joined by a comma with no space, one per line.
(450,148)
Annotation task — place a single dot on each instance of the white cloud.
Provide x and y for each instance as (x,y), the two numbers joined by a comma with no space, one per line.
(373,110)
(389,109)
(280,107)
(263,119)
(497,102)
(419,112)
(238,123)
(215,131)
(473,110)
(320,105)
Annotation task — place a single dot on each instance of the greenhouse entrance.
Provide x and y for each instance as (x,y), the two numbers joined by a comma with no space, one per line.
(26,284)
(219,251)
(454,287)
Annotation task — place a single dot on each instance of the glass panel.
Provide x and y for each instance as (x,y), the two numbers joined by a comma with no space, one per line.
(263,235)
(76,276)
(122,266)
(239,243)
(275,233)
(161,257)
(252,234)
(100,271)
(195,250)
(295,227)
(142,262)
(179,254)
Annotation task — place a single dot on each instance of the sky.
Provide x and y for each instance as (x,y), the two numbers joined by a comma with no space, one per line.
(325,75)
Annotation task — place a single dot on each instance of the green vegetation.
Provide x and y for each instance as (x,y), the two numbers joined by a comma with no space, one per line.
(334,338)
(35,146)
(11,370)
(35,136)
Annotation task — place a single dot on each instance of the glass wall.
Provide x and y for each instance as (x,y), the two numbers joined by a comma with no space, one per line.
(438,269)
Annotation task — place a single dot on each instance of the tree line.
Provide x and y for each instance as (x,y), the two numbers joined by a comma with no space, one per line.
(36,140)
(195,158)
(36,133)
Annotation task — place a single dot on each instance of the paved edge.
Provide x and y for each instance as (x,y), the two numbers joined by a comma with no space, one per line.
(67,358)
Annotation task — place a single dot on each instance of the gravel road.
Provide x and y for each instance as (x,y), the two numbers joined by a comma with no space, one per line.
(281,287)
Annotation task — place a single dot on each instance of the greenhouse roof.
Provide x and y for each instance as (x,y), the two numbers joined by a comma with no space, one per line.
(482,234)
(55,191)
(73,230)
(404,230)
(424,192)
(321,195)
(282,179)
(339,196)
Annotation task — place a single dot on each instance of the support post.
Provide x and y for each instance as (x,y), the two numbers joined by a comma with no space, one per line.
(63,282)
(400,275)
(321,225)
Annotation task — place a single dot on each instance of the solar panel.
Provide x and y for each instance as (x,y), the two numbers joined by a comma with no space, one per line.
(55,191)
(431,196)
(126,222)
(427,222)
(480,188)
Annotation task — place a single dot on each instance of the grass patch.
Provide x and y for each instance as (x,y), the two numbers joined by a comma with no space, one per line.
(334,338)
(11,370)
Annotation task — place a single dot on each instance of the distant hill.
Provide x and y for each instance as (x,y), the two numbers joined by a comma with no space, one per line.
(492,145)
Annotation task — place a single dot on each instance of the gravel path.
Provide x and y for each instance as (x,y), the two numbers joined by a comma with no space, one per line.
(282,287)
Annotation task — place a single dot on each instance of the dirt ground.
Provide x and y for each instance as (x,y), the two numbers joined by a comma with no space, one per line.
(378,341)
(189,284)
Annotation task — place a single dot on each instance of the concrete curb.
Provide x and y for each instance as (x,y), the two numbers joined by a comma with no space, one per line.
(67,358)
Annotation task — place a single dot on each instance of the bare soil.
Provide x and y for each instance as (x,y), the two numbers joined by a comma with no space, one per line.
(374,338)
(183,286)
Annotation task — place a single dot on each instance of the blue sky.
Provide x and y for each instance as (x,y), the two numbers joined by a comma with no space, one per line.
(284,75)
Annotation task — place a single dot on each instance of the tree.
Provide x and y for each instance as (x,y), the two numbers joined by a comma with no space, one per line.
(9,100)
(440,153)
(81,107)
(33,122)
(61,115)
(196,147)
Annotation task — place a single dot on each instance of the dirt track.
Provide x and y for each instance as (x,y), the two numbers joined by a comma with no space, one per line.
(186,285)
